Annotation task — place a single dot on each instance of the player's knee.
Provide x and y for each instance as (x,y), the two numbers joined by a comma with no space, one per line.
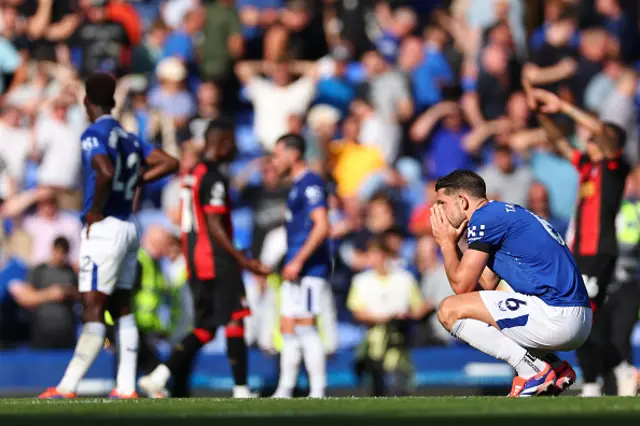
(448,312)
(93,304)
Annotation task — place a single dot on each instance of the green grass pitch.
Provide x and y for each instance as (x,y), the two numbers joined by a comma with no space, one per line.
(351,411)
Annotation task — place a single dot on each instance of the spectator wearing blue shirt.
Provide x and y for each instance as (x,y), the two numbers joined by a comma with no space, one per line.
(395,26)
(434,72)
(9,61)
(180,44)
(553,9)
(337,90)
(444,150)
(170,97)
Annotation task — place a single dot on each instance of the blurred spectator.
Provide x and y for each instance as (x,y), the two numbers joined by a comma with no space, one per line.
(336,90)
(207,108)
(48,224)
(350,162)
(48,21)
(434,71)
(387,89)
(304,23)
(57,145)
(255,16)
(171,97)
(376,130)
(223,41)
(435,288)
(553,11)
(290,97)
(538,203)
(268,199)
(420,220)
(173,11)
(495,82)
(10,60)
(125,13)
(505,180)
(379,218)
(441,131)
(49,292)
(147,54)
(384,298)
(394,27)
(181,43)
(15,147)
(100,41)
(322,126)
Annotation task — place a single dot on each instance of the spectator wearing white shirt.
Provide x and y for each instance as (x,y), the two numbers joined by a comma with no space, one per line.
(275,100)
(376,130)
(57,143)
(15,147)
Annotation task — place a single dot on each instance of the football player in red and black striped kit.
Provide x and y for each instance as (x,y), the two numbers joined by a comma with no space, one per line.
(214,266)
(602,173)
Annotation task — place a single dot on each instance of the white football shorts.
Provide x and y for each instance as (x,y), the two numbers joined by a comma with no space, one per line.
(108,257)
(533,324)
(303,299)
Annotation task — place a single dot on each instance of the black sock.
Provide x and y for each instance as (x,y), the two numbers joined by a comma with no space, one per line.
(183,353)
(237,355)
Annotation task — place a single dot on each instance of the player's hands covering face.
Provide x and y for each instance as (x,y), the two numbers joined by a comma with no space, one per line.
(443,231)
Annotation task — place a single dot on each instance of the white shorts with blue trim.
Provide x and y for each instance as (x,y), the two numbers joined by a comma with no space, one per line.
(531,323)
(108,256)
(303,299)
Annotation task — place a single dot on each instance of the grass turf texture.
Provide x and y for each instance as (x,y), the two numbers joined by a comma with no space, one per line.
(353,411)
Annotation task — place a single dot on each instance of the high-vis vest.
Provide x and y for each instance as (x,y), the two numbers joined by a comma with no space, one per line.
(152,289)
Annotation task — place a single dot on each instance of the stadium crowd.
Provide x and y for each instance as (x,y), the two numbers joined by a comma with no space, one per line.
(389,95)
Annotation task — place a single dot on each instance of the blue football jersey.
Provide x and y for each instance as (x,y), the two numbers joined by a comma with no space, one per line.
(127,153)
(528,253)
(307,193)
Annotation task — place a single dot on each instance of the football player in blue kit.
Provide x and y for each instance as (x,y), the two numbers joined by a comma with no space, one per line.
(115,164)
(548,309)
(306,272)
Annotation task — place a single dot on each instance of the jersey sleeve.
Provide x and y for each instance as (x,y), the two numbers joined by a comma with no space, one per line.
(213,194)
(93,144)
(315,196)
(486,231)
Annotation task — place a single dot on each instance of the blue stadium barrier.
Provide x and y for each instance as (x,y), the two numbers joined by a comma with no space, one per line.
(24,371)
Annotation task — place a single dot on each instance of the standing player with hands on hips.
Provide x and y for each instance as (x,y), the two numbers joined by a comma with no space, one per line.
(114,163)
(214,266)
(306,272)
(549,309)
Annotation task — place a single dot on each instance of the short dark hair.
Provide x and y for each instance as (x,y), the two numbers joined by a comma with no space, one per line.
(619,132)
(100,89)
(463,180)
(220,124)
(293,141)
(61,243)
(377,242)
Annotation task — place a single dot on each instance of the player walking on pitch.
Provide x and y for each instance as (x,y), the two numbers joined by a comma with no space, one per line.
(549,310)
(214,266)
(115,163)
(306,272)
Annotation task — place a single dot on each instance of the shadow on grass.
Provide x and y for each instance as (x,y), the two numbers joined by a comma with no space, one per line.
(198,420)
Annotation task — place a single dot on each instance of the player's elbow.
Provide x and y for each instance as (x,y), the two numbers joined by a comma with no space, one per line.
(462,286)
(104,176)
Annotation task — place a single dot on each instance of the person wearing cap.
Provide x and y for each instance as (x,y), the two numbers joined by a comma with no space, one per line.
(337,90)
(171,97)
